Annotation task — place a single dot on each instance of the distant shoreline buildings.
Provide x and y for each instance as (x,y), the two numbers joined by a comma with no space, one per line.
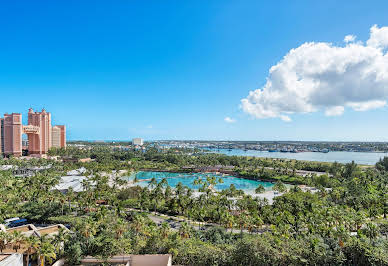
(137,141)
(41,134)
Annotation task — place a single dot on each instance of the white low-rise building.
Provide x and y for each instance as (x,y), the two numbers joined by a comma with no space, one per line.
(72,181)
(137,142)
(7,167)
(79,171)
(14,259)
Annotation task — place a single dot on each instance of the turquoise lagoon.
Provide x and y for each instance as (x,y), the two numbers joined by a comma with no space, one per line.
(187,179)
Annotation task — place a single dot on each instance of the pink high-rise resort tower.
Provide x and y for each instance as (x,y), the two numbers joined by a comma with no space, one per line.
(41,134)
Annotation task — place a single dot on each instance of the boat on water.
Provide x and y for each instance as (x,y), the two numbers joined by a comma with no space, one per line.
(273,150)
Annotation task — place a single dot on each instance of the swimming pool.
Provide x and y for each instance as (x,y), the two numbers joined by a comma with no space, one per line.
(187,179)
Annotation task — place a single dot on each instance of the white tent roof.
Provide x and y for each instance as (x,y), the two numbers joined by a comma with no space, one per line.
(71,181)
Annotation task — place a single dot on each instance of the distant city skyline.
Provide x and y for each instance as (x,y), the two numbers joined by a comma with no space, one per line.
(224,70)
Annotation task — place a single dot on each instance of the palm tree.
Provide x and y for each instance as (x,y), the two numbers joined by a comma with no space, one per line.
(280,187)
(138,224)
(185,230)
(88,228)
(62,200)
(164,230)
(243,221)
(164,182)
(232,190)
(179,188)
(46,251)
(118,181)
(227,220)
(120,227)
(167,193)
(157,195)
(371,231)
(59,239)
(4,239)
(260,189)
(33,244)
(257,222)
(189,192)
(70,196)
(152,183)
(17,239)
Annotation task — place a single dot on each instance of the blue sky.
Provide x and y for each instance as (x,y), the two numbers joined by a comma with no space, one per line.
(173,69)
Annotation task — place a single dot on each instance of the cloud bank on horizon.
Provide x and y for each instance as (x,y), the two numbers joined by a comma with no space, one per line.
(321,76)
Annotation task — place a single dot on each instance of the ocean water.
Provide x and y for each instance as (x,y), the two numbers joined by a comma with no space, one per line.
(187,179)
(368,158)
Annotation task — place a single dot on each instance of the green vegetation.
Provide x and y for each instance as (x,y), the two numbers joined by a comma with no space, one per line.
(184,160)
(280,187)
(343,223)
(260,189)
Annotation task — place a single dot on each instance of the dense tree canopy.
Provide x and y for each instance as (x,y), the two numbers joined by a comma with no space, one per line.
(342,223)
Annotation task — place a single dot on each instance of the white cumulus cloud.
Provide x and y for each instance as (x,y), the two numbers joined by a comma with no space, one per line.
(321,76)
(364,106)
(334,111)
(229,120)
(349,38)
(378,37)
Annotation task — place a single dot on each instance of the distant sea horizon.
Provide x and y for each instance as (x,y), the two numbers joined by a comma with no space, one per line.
(248,141)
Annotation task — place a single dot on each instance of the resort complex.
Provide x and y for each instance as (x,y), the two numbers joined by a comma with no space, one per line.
(112,203)
(41,134)
(194,133)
